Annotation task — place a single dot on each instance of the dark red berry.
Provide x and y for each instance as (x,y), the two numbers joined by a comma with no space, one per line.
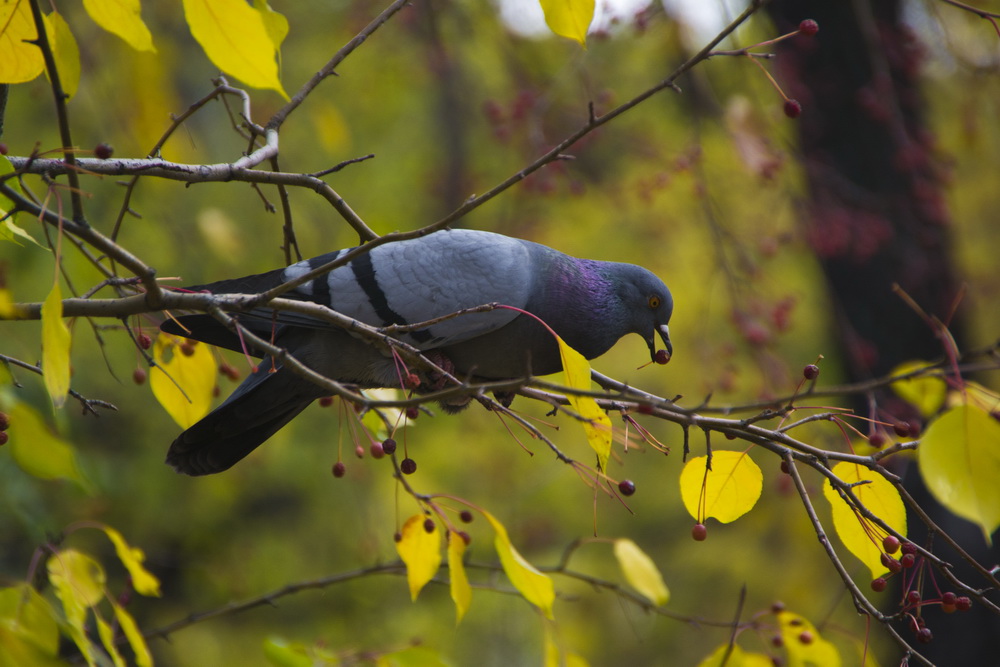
(777,641)
(139,376)
(808,28)
(388,445)
(662,357)
(792,108)
(103,151)
(902,429)
(187,347)
(3,148)
(465,537)
(375,449)
(913,597)
(397,536)
(924,635)
(908,548)
(412,412)
(891,544)
(408,466)
(4,421)
(144,341)
(907,560)
(806,637)
(963,603)
(785,468)
(878,585)
(4,437)
(429,525)
(877,439)
(948,598)
(339,469)
(627,487)
(811,372)
(326,401)
(465,516)
(699,532)
(777,607)
(890,563)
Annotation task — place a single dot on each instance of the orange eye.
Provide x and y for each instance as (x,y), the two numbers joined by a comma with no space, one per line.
(654,301)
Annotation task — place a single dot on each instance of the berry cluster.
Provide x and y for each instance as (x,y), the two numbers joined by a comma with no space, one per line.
(4,425)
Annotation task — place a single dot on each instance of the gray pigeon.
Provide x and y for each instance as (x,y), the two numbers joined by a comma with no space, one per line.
(590,304)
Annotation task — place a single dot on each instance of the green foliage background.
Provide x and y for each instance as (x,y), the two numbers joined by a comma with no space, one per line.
(664,186)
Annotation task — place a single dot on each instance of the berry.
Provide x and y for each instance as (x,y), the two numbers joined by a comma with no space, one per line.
(465,516)
(808,28)
(465,537)
(785,468)
(890,563)
(877,439)
(103,151)
(777,607)
(948,608)
(902,429)
(359,451)
(777,641)
(397,536)
(388,445)
(412,381)
(908,548)
(339,469)
(907,560)
(878,585)
(644,409)
(913,597)
(963,603)
(699,532)
(412,412)
(891,544)
(949,598)
(792,108)
(3,148)
(627,487)
(144,341)
(924,635)
(806,637)
(375,449)
(139,376)
(4,437)
(429,525)
(662,357)
(326,401)
(810,372)
(4,421)
(187,347)
(408,466)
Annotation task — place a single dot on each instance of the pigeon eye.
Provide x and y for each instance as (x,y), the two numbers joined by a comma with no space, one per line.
(654,301)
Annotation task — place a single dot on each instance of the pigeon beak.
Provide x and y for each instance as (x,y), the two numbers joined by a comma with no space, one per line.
(664,332)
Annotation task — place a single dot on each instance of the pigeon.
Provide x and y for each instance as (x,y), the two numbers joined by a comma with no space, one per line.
(589,304)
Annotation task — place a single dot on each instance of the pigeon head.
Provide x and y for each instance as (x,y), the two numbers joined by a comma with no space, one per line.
(647,302)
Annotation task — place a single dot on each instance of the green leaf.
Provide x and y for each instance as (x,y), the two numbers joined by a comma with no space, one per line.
(66,52)
(421,551)
(727,491)
(641,572)
(39,452)
(880,497)
(596,424)
(78,581)
(569,18)
(27,617)
(959,459)
(122,18)
(282,653)
(461,592)
(55,348)
(537,588)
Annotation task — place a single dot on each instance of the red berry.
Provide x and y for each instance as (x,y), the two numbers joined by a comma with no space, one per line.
(948,598)
(375,449)
(187,347)
(139,376)
(3,148)
(103,151)
(924,635)
(627,487)
(777,641)
(777,607)
(359,451)
(913,597)
(878,585)
(465,537)
(699,532)
(902,429)
(144,341)
(408,466)
(811,372)
(808,28)
(662,357)
(908,548)
(4,437)
(339,469)
(806,637)
(963,603)
(397,536)
(412,412)
(326,401)
(388,445)
(429,525)
(891,544)
(877,439)
(907,560)
(785,468)
(890,563)
(466,516)
(792,108)
(412,381)
(4,421)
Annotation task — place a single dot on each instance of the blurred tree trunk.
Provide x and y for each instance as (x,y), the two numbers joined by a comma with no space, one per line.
(875,216)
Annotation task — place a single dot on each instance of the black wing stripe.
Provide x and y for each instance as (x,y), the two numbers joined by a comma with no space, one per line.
(364,273)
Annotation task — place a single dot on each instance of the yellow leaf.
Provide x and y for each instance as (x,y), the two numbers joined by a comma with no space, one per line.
(122,18)
(20,61)
(805,650)
(727,491)
(26,615)
(879,496)
(107,636)
(275,23)
(134,636)
(55,348)
(7,307)
(461,592)
(236,39)
(926,393)
(554,657)
(421,551)
(39,452)
(66,52)
(189,399)
(131,557)
(537,588)
(959,459)
(576,372)
(78,581)
(640,571)
(737,658)
(569,18)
